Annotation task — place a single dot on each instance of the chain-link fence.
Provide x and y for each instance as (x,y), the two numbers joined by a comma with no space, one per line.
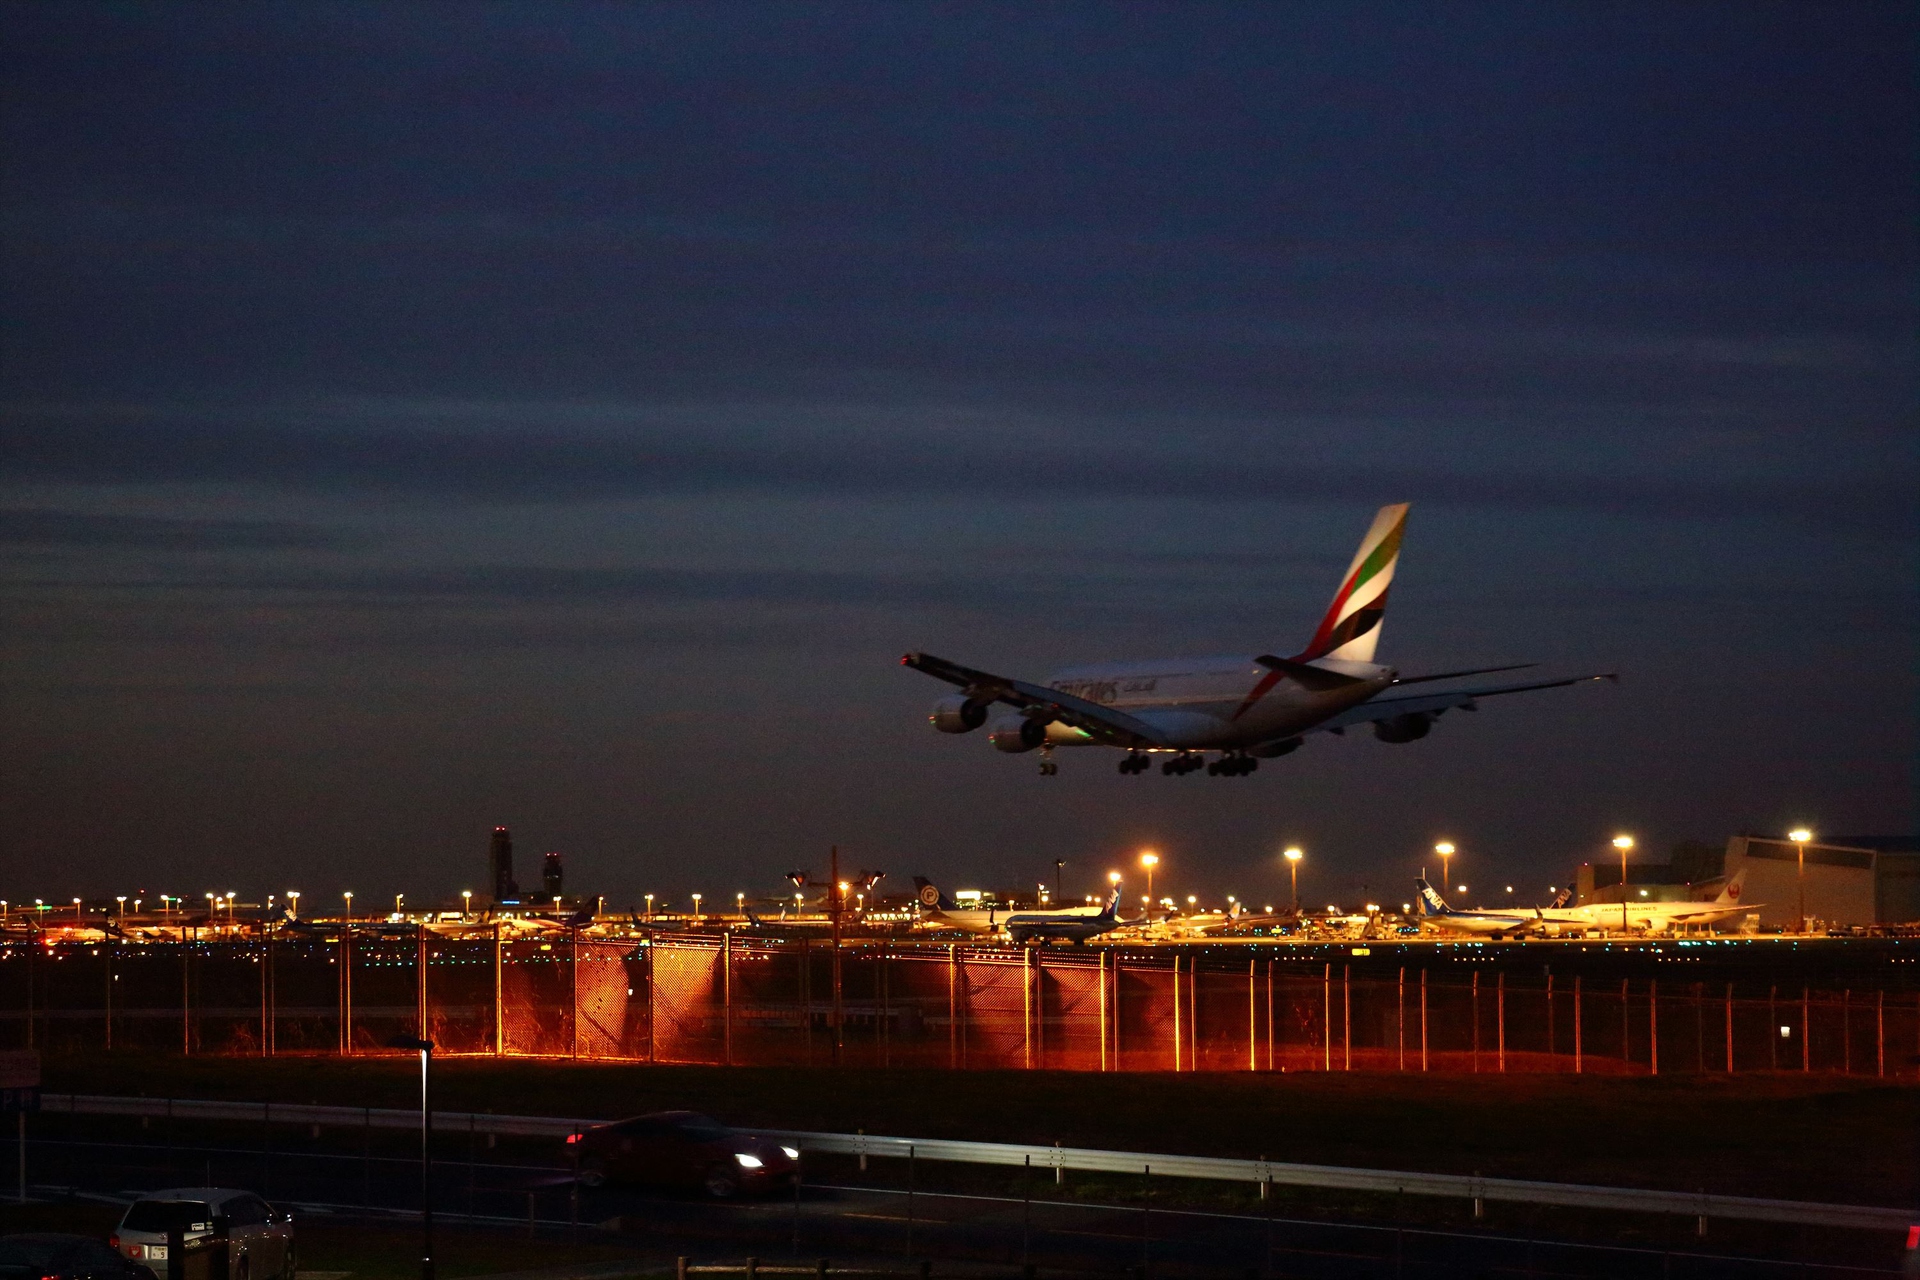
(724,1000)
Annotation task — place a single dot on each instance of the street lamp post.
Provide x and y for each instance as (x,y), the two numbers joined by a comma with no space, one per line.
(466,903)
(1625,845)
(425,1050)
(1293,857)
(293,904)
(1149,860)
(1445,850)
(696,906)
(348,895)
(1800,836)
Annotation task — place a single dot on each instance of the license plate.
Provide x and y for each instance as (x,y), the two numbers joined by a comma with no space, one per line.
(158,1252)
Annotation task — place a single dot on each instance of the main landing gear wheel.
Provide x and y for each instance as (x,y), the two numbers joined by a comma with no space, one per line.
(1135,763)
(1185,762)
(1048,768)
(1233,766)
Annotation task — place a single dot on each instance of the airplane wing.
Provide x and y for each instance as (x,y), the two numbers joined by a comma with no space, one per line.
(1103,724)
(1388,705)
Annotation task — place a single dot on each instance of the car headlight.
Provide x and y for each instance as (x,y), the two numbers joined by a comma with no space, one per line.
(791,1153)
(747,1161)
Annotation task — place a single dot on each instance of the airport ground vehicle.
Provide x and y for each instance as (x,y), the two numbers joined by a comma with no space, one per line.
(260,1244)
(685,1150)
(49,1256)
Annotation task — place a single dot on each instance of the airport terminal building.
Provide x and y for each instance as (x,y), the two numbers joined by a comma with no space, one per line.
(1853,880)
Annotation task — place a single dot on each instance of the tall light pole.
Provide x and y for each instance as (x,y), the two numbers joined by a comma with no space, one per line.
(1624,844)
(293,904)
(348,895)
(1800,836)
(466,903)
(1149,860)
(1293,856)
(1445,850)
(425,1049)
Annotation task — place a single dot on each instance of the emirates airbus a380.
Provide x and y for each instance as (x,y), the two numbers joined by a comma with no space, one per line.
(1245,709)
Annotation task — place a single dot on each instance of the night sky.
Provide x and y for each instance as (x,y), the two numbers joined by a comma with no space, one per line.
(425,417)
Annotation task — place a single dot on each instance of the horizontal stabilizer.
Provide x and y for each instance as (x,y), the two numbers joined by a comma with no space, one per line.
(1316,678)
(1475,671)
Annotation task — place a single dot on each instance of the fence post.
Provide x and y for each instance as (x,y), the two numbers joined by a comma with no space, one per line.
(651,1006)
(1476,1022)
(1193,1013)
(573,991)
(1578,1065)
(1846,1031)
(1103,1012)
(1176,1013)
(1880,1033)
(1653,1026)
(1806,1029)
(108,951)
(499,995)
(346,989)
(420,978)
(886,1011)
(186,995)
(273,994)
(1729,1028)
(1269,1014)
(1773,1028)
(953,1006)
(1253,1015)
(1117,1061)
(1326,1018)
(726,992)
(806,996)
(1500,1018)
(1346,1017)
(1423,1020)
(1626,1028)
(1553,1041)
(1026,1005)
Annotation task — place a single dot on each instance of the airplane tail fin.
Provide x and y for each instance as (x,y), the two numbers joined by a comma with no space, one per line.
(1561,898)
(930,896)
(1431,903)
(1730,891)
(1113,903)
(1351,627)
(1233,912)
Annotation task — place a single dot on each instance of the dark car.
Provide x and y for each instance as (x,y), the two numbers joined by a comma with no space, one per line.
(45,1256)
(682,1149)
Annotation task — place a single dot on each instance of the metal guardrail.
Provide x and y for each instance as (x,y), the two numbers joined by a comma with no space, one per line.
(1083,1159)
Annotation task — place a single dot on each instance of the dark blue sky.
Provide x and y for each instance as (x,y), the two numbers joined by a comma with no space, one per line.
(417,419)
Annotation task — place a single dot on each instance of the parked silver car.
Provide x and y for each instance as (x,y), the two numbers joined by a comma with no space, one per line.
(259,1237)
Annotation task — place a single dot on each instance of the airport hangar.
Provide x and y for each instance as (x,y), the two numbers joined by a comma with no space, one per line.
(1848,881)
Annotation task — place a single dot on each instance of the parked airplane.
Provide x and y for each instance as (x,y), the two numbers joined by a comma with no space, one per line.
(1635,917)
(1246,709)
(1075,925)
(937,911)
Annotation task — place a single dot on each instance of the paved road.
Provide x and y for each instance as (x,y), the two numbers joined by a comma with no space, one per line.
(845,1221)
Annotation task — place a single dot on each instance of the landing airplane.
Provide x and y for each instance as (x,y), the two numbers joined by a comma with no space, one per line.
(1246,709)
(1075,925)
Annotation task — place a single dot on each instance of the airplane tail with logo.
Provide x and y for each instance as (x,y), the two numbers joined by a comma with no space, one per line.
(1431,903)
(931,899)
(1111,910)
(1351,628)
(1730,891)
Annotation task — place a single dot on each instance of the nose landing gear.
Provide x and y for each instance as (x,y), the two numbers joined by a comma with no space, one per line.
(1048,767)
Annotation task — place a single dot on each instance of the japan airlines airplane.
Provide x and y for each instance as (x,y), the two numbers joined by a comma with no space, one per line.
(937,911)
(1246,709)
(1637,917)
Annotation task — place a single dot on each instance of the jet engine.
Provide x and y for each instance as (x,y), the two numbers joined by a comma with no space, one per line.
(958,714)
(1014,734)
(1406,728)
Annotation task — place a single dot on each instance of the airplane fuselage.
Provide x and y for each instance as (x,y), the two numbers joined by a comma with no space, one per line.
(1226,702)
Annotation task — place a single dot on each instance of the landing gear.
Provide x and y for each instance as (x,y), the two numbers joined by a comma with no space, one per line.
(1233,766)
(1048,768)
(1185,762)
(1135,763)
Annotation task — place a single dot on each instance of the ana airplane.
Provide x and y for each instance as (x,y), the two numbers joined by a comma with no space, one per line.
(1636,917)
(1074,925)
(1247,709)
